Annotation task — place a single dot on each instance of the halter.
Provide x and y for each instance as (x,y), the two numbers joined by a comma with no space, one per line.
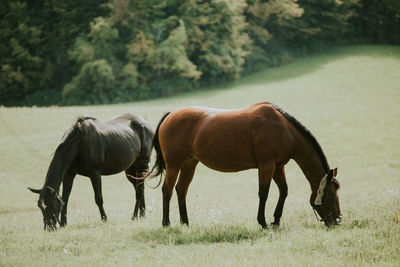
(143,179)
(318,198)
(320,191)
(320,194)
(56,195)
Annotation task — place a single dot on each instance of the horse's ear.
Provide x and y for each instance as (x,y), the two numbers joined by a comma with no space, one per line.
(334,172)
(330,176)
(37,191)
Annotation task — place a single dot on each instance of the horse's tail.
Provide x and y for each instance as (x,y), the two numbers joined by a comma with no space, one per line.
(159,165)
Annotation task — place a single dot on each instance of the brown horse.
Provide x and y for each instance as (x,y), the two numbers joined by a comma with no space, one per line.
(262,136)
(93,148)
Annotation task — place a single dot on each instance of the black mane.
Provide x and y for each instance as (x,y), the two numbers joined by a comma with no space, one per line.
(73,132)
(306,133)
(81,119)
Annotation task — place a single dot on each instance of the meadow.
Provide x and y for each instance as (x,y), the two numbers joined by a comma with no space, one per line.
(349,98)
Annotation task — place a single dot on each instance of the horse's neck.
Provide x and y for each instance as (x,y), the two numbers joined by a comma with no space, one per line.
(310,163)
(56,172)
(60,164)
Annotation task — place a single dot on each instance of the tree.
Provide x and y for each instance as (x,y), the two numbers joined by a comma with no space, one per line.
(378,21)
(325,22)
(93,85)
(272,26)
(170,56)
(20,63)
(217,40)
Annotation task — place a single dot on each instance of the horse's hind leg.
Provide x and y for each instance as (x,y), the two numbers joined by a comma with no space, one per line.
(185,177)
(265,173)
(280,180)
(67,186)
(98,195)
(140,205)
(169,183)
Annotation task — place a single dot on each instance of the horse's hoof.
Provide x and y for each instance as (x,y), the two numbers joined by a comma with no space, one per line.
(165,224)
(142,214)
(104,219)
(275,224)
(185,223)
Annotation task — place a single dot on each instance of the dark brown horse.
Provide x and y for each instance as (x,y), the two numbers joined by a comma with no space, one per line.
(261,136)
(93,148)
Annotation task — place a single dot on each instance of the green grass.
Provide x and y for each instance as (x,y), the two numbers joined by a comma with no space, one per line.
(349,98)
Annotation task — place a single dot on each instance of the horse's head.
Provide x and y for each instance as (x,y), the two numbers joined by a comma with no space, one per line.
(51,204)
(326,202)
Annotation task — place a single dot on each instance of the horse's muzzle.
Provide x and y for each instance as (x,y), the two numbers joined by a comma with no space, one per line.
(332,221)
(50,225)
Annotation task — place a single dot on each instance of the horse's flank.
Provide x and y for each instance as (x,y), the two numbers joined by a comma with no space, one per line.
(219,137)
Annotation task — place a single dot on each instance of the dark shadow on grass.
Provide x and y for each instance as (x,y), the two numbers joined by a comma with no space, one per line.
(182,235)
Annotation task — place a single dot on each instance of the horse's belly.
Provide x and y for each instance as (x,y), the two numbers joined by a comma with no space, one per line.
(226,158)
(226,166)
(118,161)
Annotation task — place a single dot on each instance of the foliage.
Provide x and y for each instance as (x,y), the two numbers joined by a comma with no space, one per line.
(378,21)
(272,26)
(325,22)
(217,41)
(170,56)
(93,84)
(20,64)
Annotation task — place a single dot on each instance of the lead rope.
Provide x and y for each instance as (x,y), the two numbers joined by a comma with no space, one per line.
(316,216)
(143,179)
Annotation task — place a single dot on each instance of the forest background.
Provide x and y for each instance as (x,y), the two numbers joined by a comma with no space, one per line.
(57,52)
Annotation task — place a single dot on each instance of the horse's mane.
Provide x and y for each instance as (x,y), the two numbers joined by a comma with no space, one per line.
(81,119)
(307,134)
(73,131)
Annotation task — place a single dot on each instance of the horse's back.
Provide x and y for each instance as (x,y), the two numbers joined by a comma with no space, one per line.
(110,146)
(225,140)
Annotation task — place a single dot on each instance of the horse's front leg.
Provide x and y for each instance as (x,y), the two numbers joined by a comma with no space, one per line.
(280,180)
(67,186)
(265,173)
(98,195)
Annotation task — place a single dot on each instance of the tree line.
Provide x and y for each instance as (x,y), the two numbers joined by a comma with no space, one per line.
(55,52)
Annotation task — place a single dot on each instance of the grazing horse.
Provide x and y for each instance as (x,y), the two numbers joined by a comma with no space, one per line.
(262,136)
(93,148)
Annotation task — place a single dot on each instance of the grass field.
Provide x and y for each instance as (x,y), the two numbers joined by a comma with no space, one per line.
(349,98)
